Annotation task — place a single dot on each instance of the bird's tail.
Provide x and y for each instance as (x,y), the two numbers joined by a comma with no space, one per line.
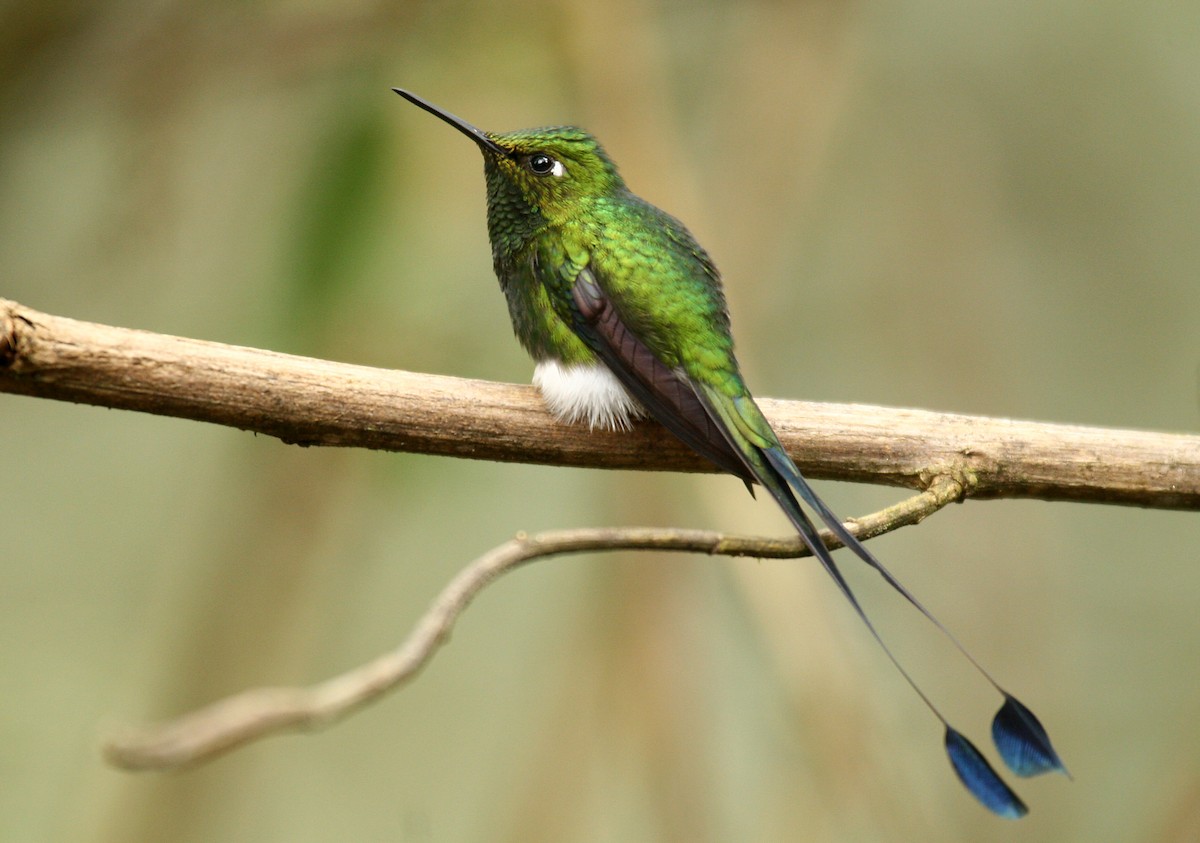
(1017,733)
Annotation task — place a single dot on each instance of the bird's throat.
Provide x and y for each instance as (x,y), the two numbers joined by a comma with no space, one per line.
(587,392)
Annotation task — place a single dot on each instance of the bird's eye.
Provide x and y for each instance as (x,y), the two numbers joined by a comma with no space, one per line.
(542,164)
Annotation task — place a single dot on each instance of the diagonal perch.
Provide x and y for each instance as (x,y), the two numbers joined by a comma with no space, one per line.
(237,720)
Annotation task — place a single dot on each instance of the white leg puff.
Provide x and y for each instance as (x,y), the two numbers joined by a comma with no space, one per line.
(585,393)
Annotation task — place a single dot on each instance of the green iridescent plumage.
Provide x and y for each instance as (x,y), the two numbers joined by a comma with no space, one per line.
(544,231)
(615,299)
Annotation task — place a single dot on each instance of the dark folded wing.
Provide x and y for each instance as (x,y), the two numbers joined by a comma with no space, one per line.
(665,392)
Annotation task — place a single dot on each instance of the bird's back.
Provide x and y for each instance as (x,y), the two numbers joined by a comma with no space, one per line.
(665,287)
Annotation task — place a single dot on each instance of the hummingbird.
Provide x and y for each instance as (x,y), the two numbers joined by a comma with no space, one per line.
(624,315)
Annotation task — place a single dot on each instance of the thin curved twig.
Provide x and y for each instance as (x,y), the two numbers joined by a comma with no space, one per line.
(234,721)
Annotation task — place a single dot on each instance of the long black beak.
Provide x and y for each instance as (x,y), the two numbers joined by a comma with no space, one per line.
(463,126)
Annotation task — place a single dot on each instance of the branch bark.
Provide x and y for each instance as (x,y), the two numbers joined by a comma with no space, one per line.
(315,402)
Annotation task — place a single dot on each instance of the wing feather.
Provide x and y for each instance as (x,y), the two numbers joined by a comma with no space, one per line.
(662,390)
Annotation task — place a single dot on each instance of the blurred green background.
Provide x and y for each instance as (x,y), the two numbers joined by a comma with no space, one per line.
(880,182)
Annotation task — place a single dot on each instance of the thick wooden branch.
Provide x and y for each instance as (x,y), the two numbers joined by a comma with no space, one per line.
(316,402)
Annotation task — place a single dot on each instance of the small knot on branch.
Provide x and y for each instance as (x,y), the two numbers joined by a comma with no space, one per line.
(8,338)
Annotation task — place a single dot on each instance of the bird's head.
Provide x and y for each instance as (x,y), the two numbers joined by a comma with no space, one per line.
(551,170)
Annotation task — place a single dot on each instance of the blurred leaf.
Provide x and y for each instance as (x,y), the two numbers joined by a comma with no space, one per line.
(335,208)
